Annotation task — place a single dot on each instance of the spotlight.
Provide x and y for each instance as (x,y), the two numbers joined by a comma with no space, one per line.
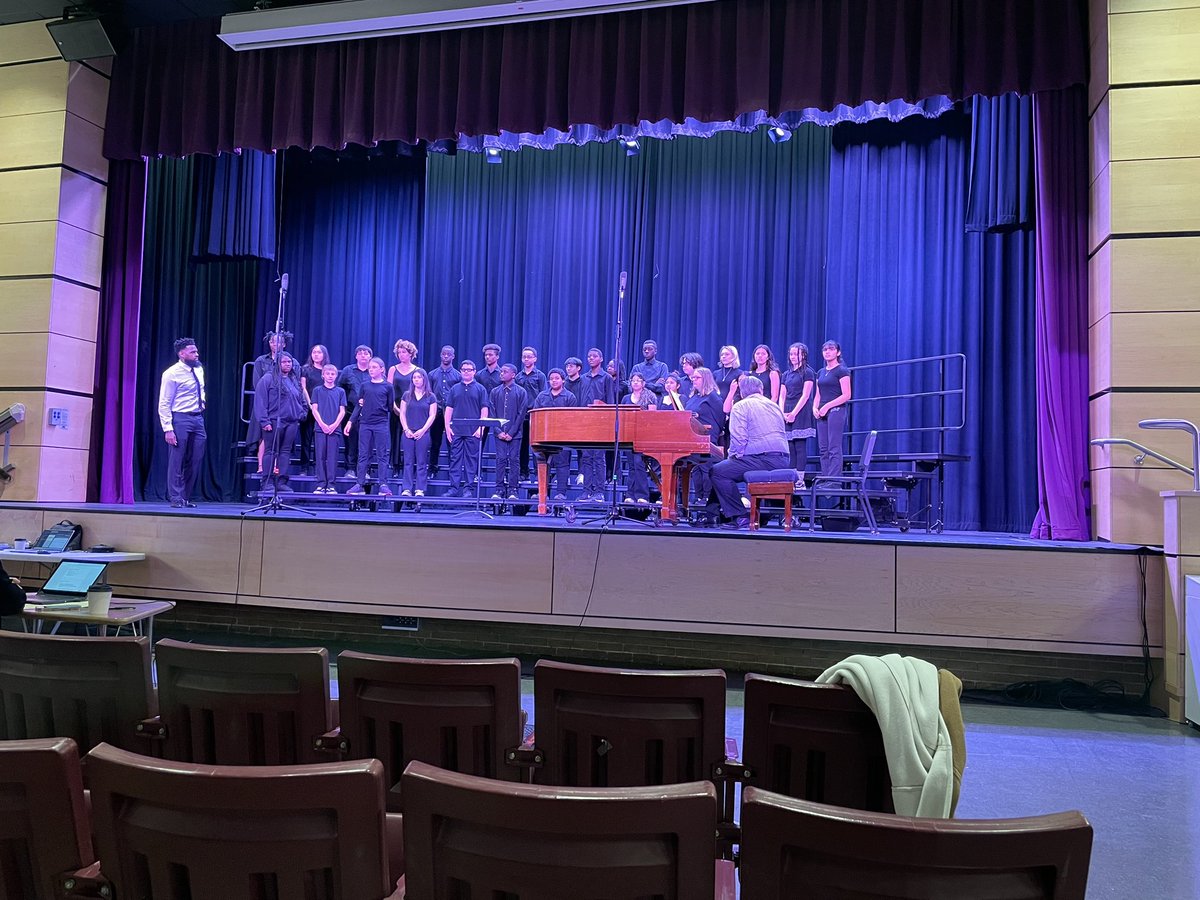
(779,134)
(492,155)
(632,147)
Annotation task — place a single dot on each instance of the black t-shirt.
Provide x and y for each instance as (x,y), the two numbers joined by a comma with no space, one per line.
(377,398)
(829,383)
(416,410)
(794,381)
(12,597)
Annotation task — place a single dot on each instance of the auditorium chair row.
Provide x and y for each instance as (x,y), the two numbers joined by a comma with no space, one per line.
(602,728)
(157,830)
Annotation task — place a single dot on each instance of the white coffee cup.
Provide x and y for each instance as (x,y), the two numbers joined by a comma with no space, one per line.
(20,544)
(98,599)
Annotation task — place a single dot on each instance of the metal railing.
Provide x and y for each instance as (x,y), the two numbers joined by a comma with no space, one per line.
(956,362)
(1192,472)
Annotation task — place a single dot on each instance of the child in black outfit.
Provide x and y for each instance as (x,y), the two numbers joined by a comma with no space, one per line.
(375,402)
(328,410)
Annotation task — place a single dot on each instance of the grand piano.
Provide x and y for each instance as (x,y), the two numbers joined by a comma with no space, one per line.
(667,435)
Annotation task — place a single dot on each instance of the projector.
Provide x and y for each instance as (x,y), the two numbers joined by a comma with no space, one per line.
(11,417)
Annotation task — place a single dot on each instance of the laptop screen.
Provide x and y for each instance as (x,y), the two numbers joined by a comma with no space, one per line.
(73,577)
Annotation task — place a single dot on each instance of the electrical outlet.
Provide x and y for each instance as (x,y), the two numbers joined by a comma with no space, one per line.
(59,418)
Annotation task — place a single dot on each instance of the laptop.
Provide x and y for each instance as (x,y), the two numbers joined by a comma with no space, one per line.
(70,582)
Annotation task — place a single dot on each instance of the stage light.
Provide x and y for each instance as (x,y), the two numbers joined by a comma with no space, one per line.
(778,134)
(492,155)
(632,147)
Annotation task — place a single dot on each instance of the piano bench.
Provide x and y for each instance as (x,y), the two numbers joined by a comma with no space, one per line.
(771,484)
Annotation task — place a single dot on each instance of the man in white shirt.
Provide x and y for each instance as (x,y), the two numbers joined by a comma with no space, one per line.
(181,402)
(756,441)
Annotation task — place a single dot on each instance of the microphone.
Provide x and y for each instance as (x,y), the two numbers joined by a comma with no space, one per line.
(624,277)
(283,282)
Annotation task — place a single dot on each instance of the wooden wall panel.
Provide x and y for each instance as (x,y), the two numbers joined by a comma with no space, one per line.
(1129,6)
(463,570)
(78,254)
(1097,52)
(1154,122)
(70,364)
(81,202)
(1100,283)
(196,555)
(27,249)
(26,462)
(33,140)
(1155,274)
(87,94)
(1154,46)
(34,88)
(24,358)
(1117,414)
(1155,196)
(1100,376)
(1042,596)
(24,303)
(29,195)
(1100,205)
(1149,350)
(1098,131)
(62,474)
(1126,506)
(36,430)
(83,147)
(26,41)
(574,567)
(74,310)
(845,586)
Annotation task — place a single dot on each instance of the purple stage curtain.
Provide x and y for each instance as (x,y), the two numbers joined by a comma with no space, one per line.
(1060,319)
(178,90)
(110,464)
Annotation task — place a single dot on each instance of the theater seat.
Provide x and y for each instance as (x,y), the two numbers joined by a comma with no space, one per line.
(91,689)
(243,707)
(460,715)
(476,837)
(796,848)
(814,741)
(172,830)
(44,835)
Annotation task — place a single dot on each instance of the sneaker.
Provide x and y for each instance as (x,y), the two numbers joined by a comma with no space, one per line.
(629,500)
(357,489)
(331,490)
(746,502)
(407,493)
(512,496)
(350,473)
(319,490)
(419,494)
(385,491)
(497,497)
(642,501)
(559,497)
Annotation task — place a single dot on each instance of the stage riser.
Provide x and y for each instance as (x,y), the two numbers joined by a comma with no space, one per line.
(841,589)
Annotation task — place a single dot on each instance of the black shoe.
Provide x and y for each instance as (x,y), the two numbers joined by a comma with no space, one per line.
(176,504)
(189,504)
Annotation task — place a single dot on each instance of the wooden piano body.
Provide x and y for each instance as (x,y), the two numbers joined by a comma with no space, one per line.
(667,435)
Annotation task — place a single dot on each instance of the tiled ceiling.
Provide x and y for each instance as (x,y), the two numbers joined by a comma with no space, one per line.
(131,13)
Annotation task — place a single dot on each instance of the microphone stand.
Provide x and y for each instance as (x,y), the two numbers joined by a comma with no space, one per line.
(615,513)
(274,504)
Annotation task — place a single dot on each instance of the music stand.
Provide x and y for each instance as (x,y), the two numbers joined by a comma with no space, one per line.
(470,426)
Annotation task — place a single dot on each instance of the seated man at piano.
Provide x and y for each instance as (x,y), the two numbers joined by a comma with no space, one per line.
(557,395)
(756,441)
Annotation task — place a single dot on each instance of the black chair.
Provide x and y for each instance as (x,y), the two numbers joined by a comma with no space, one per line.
(841,485)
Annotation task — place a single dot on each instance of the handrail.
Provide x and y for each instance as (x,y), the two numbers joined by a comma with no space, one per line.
(1180,425)
(943,392)
(1143,452)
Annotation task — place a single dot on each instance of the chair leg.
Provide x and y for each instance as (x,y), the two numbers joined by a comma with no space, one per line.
(754,512)
(787,511)
(869,513)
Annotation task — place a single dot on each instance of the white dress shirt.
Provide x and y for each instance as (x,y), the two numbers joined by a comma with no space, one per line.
(182,391)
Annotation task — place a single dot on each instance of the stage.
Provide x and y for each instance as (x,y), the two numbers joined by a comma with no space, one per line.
(953,590)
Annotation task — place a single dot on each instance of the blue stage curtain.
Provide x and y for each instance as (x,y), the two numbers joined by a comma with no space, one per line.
(906,280)
(529,251)
(213,302)
(731,244)
(235,206)
(1001,168)
(351,247)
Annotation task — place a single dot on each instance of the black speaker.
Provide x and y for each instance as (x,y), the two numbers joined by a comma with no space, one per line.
(80,38)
